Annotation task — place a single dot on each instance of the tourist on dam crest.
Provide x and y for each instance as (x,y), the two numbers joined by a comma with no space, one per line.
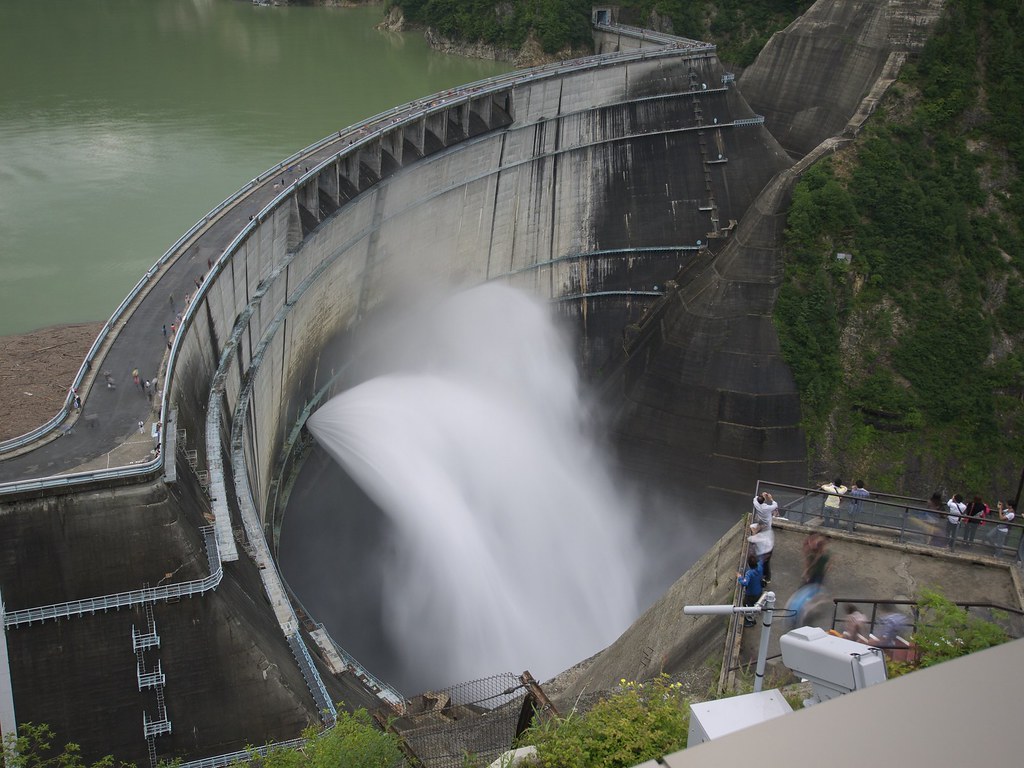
(752,589)
(956,509)
(830,506)
(859,493)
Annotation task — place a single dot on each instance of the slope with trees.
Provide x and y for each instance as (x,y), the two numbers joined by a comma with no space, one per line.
(910,358)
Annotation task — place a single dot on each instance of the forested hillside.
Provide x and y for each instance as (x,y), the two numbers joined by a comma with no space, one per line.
(910,358)
(739,27)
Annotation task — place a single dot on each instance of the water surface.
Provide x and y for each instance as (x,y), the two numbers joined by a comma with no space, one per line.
(122,122)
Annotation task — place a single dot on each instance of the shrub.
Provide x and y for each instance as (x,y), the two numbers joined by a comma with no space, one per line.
(642,721)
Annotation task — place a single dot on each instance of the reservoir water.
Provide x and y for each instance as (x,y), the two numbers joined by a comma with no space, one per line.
(122,122)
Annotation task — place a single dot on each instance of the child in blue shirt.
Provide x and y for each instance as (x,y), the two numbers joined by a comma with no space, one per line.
(752,586)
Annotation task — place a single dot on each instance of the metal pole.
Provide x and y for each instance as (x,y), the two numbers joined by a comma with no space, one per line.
(766,630)
(765,606)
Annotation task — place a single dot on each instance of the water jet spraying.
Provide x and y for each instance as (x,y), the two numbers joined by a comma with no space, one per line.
(513,547)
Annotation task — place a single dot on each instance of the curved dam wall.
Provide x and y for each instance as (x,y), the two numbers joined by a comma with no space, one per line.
(591,184)
(592,188)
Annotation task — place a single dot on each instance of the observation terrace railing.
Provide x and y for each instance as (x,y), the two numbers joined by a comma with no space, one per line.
(906,520)
(989,611)
(91,605)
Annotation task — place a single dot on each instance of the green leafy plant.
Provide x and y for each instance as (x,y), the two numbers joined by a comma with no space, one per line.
(641,721)
(946,631)
(353,742)
(34,747)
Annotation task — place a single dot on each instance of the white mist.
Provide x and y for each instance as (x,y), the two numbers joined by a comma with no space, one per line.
(514,549)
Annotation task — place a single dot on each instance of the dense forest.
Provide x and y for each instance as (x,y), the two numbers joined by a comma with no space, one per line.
(739,27)
(910,358)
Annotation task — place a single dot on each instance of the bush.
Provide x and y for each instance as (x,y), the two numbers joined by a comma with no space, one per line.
(643,721)
(945,631)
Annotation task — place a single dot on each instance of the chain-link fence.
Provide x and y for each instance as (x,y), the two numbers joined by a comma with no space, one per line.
(477,719)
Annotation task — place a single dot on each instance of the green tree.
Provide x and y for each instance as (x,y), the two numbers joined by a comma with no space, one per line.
(34,747)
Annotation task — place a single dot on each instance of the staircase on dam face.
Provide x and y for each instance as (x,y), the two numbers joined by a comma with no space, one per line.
(151,678)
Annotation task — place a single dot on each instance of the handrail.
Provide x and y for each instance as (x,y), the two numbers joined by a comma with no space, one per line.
(959,603)
(242,755)
(891,511)
(119,600)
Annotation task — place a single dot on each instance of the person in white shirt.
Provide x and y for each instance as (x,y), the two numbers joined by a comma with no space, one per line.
(762,538)
(830,507)
(997,537)
(956,509)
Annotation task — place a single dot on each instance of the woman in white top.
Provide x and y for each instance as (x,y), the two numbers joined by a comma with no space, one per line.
(956,509)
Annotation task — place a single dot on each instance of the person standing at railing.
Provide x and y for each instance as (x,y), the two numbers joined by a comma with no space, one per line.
(830,507)
(859,493)
(975,513)
(762,537)
(956,509)
(996,538)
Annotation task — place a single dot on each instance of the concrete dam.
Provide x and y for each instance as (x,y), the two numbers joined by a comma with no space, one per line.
(144,613)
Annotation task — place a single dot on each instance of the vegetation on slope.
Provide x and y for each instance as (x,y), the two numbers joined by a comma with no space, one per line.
(910,359)
(557,24)
(739,27)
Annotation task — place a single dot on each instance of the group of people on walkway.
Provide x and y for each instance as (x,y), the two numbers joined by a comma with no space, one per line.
(842,507)
(964,518)
(758,574)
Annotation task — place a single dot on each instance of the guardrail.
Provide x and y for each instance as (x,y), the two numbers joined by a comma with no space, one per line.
(649,34)
(243,755)
(13,619)
(907,520)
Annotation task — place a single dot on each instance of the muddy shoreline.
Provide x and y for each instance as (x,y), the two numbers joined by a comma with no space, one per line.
(36,371)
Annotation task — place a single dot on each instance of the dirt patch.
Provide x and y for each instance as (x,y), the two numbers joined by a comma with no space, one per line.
(36,371)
